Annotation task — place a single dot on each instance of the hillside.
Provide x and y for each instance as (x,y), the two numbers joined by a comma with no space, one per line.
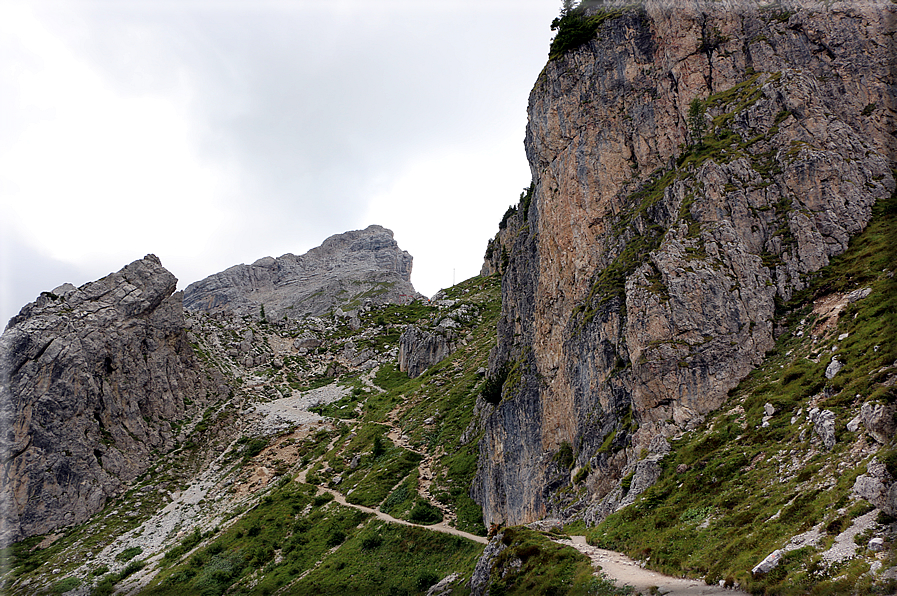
(318,407)
(683,347)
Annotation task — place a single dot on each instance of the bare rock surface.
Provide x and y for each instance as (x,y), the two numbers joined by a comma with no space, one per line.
(641,272)
(345,271)
(92,379)
(419,349)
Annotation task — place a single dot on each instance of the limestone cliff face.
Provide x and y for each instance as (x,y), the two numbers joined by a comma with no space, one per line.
(343,272)
(691,166)
(92,380)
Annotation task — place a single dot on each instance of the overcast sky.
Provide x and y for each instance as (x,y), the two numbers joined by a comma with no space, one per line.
(216,132)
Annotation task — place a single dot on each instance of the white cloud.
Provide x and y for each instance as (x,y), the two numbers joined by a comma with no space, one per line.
(93,173)
(213,133)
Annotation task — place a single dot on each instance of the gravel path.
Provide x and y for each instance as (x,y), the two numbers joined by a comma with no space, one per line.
(440,527)
(625,571)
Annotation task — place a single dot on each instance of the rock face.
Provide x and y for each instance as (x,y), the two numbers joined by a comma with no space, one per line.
(92,379)
(344,272)
(419,349)
(691,166)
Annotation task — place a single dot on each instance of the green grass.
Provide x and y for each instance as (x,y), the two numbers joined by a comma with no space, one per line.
(391,559)
(277,537)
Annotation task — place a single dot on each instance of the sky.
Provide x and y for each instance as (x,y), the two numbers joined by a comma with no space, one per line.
(212,133)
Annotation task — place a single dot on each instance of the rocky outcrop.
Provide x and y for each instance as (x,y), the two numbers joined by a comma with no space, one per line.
(692,165)
(92,380)
(344,272)
(419,349)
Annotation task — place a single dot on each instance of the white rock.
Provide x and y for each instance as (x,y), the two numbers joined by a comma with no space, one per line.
(833,368)
(876,544)
(769,563)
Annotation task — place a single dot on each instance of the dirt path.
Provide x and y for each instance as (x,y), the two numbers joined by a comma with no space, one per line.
(440,527)
(625,571)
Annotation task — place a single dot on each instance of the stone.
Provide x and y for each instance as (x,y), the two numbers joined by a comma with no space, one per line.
(769,409)
(858,294)
(854,424)
(877,544)
(420,349)
(769,563)
(479,580)
(879,420)
(342,273)
(824,426)
(833,368)
(878,487)
(91,381)
(444,586)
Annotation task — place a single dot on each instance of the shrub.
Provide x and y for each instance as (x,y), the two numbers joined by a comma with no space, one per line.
(336,538)
(65,585)
(564,456)
(491,390)
(425,513)
(128,553)
(425,580)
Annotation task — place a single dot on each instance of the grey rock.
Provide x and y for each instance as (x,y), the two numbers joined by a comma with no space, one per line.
(824,426)
(879,420)
(479,581)
(444,586)
(342,273)
(878,487)
(858,294)
(877,544)
(854,424)
(833,368)
(615,308)
(647,471)
(90,384)
(769,409)
(419,349)
(307,340)
(771,561)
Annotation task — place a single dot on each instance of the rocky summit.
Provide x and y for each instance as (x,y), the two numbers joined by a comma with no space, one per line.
(343,273)
(682,347)
(94,380)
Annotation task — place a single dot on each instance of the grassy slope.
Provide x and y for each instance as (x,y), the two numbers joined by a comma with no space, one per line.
(746,489)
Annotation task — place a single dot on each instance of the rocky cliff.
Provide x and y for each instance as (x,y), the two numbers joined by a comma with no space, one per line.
(344,272)
(692,167)
(94,380)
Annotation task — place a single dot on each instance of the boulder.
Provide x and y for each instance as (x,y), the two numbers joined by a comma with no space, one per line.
(420,349)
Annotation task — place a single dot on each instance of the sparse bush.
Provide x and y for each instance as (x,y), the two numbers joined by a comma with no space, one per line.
(425,513)
(128,553)
(425,580)
(65,585)
(491,390)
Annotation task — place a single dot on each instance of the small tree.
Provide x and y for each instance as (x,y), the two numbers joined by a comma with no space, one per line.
(696,123)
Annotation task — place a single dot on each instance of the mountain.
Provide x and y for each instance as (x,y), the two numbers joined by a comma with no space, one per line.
(683,347)
(94,380)
(345,271)
(693,167)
